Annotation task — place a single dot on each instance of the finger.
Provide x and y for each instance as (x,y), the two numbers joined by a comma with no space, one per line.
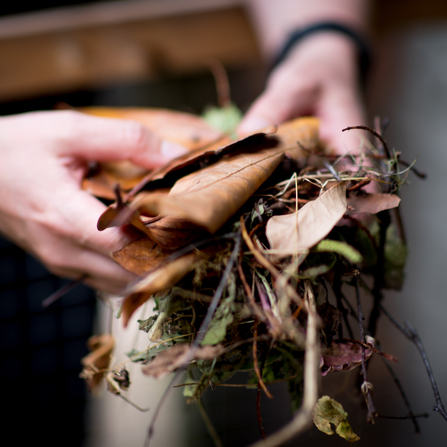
(101,272)
(282,100)
(76,219)
(337,111)
(107,139)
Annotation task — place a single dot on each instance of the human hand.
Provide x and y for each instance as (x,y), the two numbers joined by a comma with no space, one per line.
(44,157)
(320,78)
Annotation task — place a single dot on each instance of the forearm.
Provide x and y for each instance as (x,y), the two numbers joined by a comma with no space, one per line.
(275,20)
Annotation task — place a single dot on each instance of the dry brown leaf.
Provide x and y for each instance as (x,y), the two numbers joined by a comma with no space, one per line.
(185,129)
(297,232)
(171,359)
(209,197)
(97,362)
(165,276)
(372,203)
(342,357)
(141,256)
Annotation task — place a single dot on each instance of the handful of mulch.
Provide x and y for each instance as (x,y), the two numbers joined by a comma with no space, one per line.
(247,249)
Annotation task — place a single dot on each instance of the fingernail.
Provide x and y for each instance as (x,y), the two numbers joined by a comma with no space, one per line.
(252,125)
(172,150)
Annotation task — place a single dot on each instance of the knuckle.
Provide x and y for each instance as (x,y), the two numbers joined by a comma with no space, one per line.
(136,135)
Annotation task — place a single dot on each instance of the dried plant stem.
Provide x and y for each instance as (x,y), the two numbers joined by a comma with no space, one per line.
(256,362)
(366,386)
(414,337)
(410,332)
(249,293)
(62,291)
(209,425)
(403,394)
(276,274)
(201,333)
(303,418)
(258,411)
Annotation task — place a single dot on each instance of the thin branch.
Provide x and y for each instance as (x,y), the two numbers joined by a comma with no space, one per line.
(414,337)
(258,411)
(410,332)
(201,333)
(303,418)
(62,291)
(366,386)
(256,362)
(403,394)
(209,425)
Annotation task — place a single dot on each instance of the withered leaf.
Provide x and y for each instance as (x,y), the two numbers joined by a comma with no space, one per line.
(141,256)
(97,362)
(372,203)
(185,129)
(328,411)
(297,232)
(209,197)
(163,277)
(342,357)
(171,359)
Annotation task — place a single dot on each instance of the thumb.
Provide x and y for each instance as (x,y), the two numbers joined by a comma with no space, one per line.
(108,139)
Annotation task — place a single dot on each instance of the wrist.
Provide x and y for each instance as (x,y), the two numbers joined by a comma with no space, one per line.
(328,40)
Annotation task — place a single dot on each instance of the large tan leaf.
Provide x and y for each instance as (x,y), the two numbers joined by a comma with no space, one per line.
(372,203)
(209,197)
(186,129)
(298,232)
(164,276)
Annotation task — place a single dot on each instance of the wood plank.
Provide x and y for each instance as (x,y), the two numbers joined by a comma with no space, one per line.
(50,59)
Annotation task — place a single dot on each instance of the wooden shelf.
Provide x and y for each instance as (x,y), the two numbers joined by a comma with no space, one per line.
(95,45)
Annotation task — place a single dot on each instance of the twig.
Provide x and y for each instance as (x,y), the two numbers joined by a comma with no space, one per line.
(376,134)
(414,337)
(209,425)
(256,362)
(384,217)
(413,416)
(62,291)
(258,411)
(201,333)
(403,394)
(366,386)
(303,418)
(410,332)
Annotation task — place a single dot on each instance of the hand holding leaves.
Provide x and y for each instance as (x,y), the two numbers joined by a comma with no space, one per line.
(43,209)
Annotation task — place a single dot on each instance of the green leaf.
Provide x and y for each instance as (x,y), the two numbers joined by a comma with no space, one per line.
(395,259)
(328,411)
(145,325)
(223,317)
(341,248)
(226,119)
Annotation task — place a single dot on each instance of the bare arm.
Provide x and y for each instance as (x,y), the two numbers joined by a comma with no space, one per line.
(320,75)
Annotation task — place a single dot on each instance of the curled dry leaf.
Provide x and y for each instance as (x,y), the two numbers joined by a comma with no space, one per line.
(210,196)
(297,232)
(185,129)
(97,362)
(372,203)
(163,277)
(171,359)
(342,357)
(328,411)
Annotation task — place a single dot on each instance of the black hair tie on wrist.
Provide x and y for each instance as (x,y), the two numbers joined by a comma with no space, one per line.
(300,34)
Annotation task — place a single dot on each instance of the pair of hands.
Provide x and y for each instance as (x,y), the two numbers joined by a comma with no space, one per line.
(45,154)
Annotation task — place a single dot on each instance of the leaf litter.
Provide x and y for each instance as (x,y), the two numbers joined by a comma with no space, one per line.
(240,243)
